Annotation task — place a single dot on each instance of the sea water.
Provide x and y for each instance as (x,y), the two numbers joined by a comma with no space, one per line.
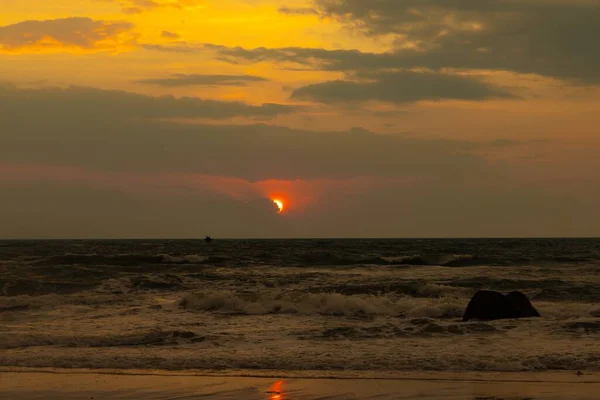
(319,307)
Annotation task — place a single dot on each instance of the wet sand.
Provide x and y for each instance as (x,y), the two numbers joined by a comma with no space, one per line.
(102,385)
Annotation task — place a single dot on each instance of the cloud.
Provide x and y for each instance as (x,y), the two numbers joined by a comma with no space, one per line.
(51,209)
(170,35)
(298,193)
(44,201)
(177,80)
(66,34)
(105,130)
(140,6)
(550,38)
(314,57)
(370,76)
(77,103)
(84,201)
(401,87)
(179,46)
(553,38)
(80,162)
(298,11)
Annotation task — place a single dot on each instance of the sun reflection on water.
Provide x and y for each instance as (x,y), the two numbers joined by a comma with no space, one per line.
(276,391)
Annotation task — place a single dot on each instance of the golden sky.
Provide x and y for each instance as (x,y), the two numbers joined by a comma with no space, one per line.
(498,96)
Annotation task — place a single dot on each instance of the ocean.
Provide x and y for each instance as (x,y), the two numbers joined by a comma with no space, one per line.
(312,308)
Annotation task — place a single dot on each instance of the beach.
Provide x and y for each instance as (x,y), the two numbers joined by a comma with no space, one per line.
(145,385)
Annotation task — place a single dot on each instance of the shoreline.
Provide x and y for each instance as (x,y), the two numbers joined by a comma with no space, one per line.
(568,377)
(51,384)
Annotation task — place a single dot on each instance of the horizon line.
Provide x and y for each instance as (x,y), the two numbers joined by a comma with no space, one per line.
(199,238)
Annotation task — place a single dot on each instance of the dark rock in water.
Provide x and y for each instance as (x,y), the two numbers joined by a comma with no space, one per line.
(489,305)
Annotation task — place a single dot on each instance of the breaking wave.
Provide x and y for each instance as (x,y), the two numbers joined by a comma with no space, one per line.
(449,260)
(151,338)
(336,304)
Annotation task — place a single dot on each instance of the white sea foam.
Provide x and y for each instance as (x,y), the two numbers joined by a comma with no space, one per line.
(266,302)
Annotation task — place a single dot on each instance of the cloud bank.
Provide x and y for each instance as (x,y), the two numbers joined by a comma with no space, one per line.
(140,6)
(401,87)
(82,162)
(178,80)
(553,38)
(77,103)
(64,35)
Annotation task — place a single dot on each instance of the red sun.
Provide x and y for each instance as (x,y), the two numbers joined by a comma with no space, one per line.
(280,204)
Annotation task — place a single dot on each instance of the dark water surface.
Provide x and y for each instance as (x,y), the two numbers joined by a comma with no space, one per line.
(311,305)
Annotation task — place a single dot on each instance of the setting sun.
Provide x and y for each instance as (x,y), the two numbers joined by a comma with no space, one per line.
(279,205)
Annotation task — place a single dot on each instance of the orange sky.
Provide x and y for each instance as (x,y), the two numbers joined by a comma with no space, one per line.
(484,79)
(118,58)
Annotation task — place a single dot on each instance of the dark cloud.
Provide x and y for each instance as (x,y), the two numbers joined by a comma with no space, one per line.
(84,162)
(551,38)
(401,87)
(332,60)
(377,78)
(203,80)
(457,208)
(140,6)
(298,11)
(45,209)
(554,38)
(81,102)
(170,35)
(112,131)
(179,46)
(83,33)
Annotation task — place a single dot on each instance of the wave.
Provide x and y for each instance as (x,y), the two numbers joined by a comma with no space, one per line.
(151,338)
(396,287)
(20,287)
(27,302)
(441,259)
(44,286)
(415,328)
(335,304)
(447,260)
(437,301)
(125,259)
(330,259)
(301,259)
(157,282)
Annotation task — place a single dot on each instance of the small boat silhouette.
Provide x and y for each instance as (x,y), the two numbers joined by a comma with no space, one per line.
(208,239)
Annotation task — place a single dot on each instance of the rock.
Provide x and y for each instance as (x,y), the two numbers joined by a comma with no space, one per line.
(489,305)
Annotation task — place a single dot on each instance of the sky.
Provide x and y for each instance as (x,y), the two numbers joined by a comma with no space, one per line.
(388,118)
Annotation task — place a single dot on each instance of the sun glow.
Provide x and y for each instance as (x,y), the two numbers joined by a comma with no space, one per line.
(279,204)
(276,391)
